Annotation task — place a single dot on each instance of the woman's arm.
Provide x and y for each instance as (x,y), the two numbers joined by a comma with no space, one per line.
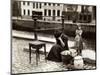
(80,32)
(61,41)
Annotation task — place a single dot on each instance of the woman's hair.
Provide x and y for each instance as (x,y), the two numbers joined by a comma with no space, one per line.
(57,33)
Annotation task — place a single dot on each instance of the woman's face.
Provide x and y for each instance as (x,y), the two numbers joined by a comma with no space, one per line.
(79,27)
(57,34)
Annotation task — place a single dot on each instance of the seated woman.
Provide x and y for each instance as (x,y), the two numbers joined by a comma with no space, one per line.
(61,45)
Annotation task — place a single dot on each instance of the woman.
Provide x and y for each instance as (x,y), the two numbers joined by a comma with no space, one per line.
(61,45)
(78,39)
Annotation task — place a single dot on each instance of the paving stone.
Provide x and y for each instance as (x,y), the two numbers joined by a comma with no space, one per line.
(20,60)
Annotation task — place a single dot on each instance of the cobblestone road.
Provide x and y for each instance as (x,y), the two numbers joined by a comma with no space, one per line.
(20,60)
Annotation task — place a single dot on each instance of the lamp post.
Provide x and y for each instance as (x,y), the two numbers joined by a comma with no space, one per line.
(34,17)
(62,22)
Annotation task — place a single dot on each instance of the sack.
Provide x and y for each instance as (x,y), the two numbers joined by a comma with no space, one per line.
(78,62)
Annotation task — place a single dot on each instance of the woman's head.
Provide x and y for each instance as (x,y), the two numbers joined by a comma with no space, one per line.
(57,33)
(78,26)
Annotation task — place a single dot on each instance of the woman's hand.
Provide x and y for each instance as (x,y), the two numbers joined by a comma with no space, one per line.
(62,43)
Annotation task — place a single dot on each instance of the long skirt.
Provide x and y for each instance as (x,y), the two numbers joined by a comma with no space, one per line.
(55,53)
(79,44)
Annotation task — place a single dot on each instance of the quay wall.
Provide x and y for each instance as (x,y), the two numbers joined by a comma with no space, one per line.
(89,31)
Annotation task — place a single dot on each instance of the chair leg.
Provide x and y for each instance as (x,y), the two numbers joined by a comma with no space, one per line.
(37,56)
(29,54)
(45,52)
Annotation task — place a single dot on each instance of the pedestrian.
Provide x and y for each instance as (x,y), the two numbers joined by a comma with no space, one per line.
(61,45)
(78,39)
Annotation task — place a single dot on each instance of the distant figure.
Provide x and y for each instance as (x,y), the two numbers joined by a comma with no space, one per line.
(78,39)
(61,45)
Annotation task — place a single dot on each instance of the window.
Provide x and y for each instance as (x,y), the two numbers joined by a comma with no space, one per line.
(45,12)
(53,4)
(49,4)
(45,3)
(24,11)
(82,9)
(53,12)
(23,3)
(58,12)
(53,18)
(28,12)
(28,3)
(33,5)
(36,5)
(58,4)
(40,5)
(49,12)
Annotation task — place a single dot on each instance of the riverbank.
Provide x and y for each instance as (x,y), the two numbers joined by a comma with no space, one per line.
(89,29)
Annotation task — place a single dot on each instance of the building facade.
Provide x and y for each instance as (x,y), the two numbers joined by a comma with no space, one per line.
(78,13)
(47,11)
(54,11)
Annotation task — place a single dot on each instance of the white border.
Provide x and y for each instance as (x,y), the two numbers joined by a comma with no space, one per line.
(5,34)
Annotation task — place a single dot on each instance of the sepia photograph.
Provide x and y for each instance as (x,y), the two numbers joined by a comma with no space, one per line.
(52,37)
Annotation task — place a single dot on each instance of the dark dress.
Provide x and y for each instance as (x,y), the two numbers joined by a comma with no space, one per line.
(65,40)
(55,52)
